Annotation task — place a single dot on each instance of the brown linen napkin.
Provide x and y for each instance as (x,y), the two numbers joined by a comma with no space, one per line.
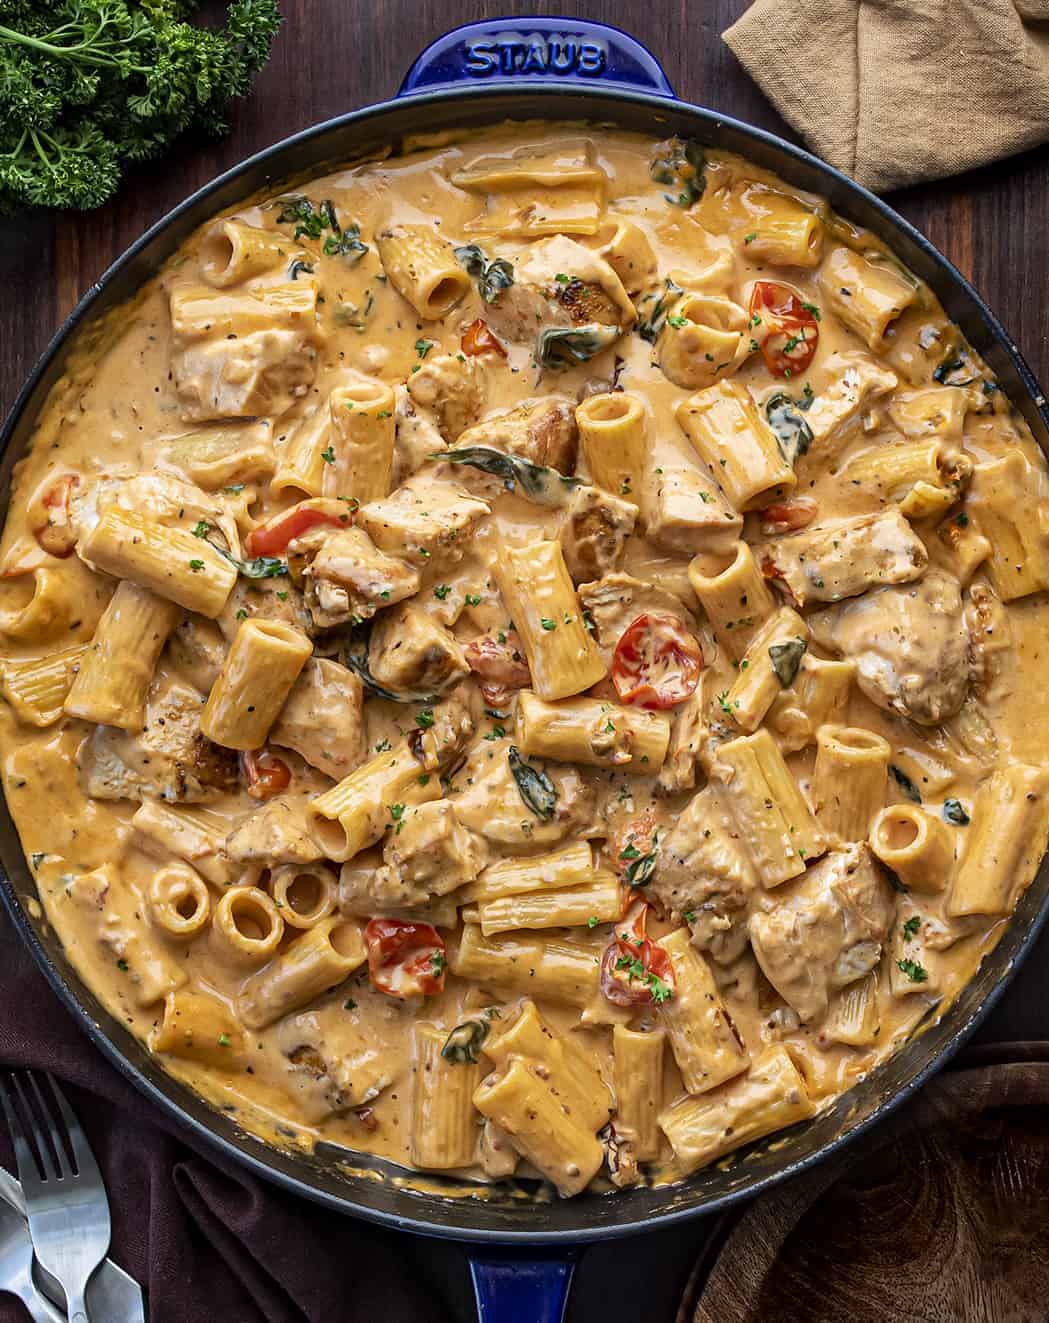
(896,91)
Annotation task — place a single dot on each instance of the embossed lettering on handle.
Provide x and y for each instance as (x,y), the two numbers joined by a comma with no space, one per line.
(566,52)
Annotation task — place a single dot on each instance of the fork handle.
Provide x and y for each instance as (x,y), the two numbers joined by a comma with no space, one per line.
(75,1306)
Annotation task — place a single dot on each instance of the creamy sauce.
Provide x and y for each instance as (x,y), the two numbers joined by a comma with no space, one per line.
(114,416)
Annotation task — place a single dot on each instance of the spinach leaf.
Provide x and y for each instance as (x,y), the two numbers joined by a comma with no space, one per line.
(561,346)
(355,659)
(786,658)
(492,277)
(793,433)
(259,567)
(543,485)
(310,222)
(639,873)
(907,786)
(535,787)
(956,369)
(682,168)
(954,813)
(649,327)
(463,1044)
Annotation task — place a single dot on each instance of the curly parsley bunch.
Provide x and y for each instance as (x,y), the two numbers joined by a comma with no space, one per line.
(89,86)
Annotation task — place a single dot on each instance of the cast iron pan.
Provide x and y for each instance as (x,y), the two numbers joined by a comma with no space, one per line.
(540,68)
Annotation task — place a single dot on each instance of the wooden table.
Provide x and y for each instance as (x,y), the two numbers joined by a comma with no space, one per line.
(334,55)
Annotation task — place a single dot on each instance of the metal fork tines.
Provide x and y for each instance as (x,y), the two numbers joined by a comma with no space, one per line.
(65,1198)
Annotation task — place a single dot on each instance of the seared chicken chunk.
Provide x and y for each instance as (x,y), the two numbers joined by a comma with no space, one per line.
(857,380)
(451,389)
(430,854)
(323,718)
(428,523)
(616,600)
(543,431)
(689,514)
(844,558)
(168,759)
(349,579)
(196,648)
(594,532)
(910,645)
(416,439)
(276,833)
(333,1064)
(823,931)
(410,651)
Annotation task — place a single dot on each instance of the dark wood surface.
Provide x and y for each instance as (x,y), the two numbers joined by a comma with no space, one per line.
(334,55)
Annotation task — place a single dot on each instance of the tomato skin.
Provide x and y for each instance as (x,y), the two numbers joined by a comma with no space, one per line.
(631,943)
(786,330)
(405,959)
(501,666)
(639,834)
(478,339)
(272,537)
(265,774)
(53,525)
(788,516)
(656,641)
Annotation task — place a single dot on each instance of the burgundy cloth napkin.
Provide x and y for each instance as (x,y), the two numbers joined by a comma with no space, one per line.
(206,1239)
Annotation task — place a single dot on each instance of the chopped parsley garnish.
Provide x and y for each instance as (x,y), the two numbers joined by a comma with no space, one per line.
(224,1040)
(349,1004)
(202,528)
(328,455)
(915,972)
(196,565)
(910,928)
(472,599)
(749,238)
(423,347)
(548,624)
(424,718)
(441,591)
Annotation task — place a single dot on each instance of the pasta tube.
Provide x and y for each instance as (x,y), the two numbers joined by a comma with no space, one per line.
(848,782)
(304,895)
(256,678)
(769,666)
(854,1017)
(198,1028)
(65,602)
(234,251)
(246,926)
(702,340)
(771,1096)
(1018,562)
(818,697)
(321,958)
(706,1046)
(788,236)
(612,431)
(733,593)
(445,1123)
(916,846)
(867,296)
(422,268)
(558,970)
(776,826)
(116,671)
(36,688)
(628,252)
(923,477)
(1004,841)
(638,1075)
(571,866)
(171,562)
(534,1117)
(179,902)
(598,899)
(301,463)
(538,592)
(361,441)
(585,730)
(737,445)
(164,831)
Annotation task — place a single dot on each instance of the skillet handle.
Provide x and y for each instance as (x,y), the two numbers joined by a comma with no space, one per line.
(521,1290)
(561,51)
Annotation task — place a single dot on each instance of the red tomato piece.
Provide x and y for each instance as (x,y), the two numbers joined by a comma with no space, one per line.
(657,662)
(51,516)
(499,661)
(788,516)
(634,970)
(265,774)
(478,339)
(785,328)
(405,959)
(272,537)
(633,839)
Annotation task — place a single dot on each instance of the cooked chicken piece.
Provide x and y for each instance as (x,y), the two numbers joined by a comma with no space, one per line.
(990,637)
(487,799)
(323,718)
(264,599)
(688,512)
(694,737)
(430,854)
(616,600)
(197,649)
(543,431)
(844,558)
(499,662)
(276,833)
(824,930)
(349,579)
(703,875)
(451,389)
(257,375)
(333,1064)
(441,742)
(169,500)
(417,437)
(594,532)
(426,522)
(856,381)
(168,759)
(910,645)
(410,651)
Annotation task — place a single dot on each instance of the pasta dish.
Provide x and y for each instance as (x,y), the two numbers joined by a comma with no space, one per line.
(523,658)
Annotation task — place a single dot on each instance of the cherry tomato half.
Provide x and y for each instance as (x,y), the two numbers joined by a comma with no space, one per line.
(272,537)
(51,515)
(478,339)
(634,970)
(405,959)
(788,516)
(785,328)
(657,662)
(265,774)
(499,661)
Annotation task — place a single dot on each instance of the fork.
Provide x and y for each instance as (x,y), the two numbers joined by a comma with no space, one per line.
(65,1198)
